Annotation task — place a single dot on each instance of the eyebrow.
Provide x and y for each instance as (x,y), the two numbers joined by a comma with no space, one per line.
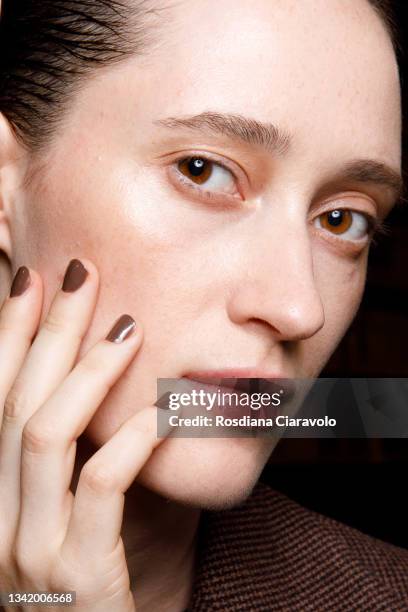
(275,140)
(370,171)
(246,129)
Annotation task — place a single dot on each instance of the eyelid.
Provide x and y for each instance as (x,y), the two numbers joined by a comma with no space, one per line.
(210,157)
(235,168)
(372,216)
(355,202)
(349,246)
(204,194)
(343,203)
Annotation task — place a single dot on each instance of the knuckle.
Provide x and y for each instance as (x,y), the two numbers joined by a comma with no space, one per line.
(7,564)
(37,437)
(15,403)
(98,478)
(5,327)
(93,363)
(28,566)
(17,555)
(94,371)
(29,561)
(21,559)
(89,367)
(54,323)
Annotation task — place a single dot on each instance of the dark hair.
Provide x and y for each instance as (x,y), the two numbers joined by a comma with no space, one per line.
(385,9)
(48,47)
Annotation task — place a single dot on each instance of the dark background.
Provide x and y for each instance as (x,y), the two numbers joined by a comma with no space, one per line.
(364,483)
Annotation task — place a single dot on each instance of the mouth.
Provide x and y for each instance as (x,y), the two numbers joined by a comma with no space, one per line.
(249,381)
(246,401)
(236,395)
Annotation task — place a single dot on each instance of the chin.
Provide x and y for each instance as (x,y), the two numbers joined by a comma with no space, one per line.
(207,473)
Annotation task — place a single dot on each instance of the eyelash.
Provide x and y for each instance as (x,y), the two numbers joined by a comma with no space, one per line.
(209,195)
(220,197)
(375,226)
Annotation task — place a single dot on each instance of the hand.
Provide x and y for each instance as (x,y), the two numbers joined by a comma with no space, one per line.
(51,539)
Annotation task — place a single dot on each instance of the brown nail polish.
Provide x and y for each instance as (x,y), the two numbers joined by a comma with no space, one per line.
(122,329)
(163,401)
(74,276)
(21,282)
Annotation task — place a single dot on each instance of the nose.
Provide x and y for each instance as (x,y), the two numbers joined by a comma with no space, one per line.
(276,285)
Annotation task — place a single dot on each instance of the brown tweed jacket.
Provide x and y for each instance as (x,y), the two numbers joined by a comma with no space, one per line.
(271,554)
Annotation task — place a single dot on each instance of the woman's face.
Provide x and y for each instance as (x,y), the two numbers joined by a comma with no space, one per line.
(242,263)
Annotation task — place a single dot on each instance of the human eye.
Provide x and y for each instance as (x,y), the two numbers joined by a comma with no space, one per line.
(207,178)
(352,226)
(346,224)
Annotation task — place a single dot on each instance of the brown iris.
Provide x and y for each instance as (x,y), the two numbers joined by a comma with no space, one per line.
(196,169)
(336,221)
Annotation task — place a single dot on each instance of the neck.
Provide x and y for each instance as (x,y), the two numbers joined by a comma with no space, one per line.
(160,542)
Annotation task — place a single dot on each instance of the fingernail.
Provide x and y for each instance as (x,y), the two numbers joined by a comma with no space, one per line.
(163,401)
(122,329)
(21,282)
(74,276)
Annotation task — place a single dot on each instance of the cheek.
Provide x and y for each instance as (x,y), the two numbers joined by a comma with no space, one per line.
(116,223)
(340,283)
(152,261)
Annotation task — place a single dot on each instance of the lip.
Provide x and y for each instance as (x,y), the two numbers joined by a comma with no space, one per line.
(233,409)
(248,380)
(234,373)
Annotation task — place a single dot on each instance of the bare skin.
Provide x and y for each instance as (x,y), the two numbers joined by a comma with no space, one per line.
(251,277)
(80,547)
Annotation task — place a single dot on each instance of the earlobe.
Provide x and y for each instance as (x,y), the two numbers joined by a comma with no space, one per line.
(5,236)
(5,254)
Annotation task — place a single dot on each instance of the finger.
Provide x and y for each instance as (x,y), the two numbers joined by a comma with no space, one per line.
(48,441)
(19,319)
(97,512)
(53,352)
(47,363)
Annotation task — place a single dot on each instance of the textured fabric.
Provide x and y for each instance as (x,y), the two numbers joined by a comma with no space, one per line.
(271,554)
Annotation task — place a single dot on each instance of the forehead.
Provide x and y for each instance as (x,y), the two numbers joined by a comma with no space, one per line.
(313,67)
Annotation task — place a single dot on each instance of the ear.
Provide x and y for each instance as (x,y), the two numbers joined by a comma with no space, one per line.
(10,169)
(8,160)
